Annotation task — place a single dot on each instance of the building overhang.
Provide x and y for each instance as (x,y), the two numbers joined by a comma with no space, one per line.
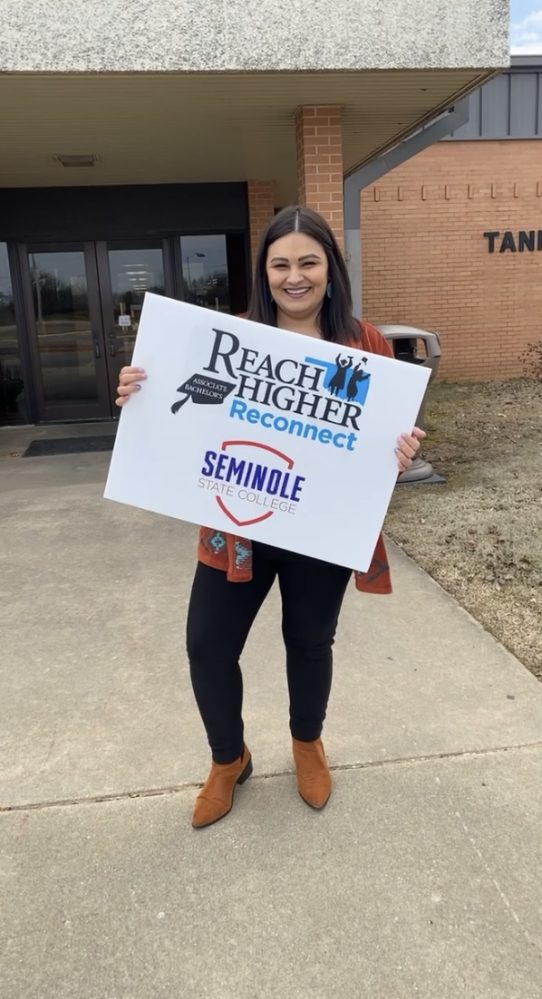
(153,128)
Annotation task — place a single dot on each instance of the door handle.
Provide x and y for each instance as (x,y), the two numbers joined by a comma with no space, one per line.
(97,351)
(112,345)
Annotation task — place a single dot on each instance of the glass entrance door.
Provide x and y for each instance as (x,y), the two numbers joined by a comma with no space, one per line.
(68,344)
(84,303)
(126,272)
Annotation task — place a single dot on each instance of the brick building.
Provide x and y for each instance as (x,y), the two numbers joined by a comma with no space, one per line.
(452,238)
(149,156)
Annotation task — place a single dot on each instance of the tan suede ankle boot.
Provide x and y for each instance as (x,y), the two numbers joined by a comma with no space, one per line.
(215,799)
(313,776)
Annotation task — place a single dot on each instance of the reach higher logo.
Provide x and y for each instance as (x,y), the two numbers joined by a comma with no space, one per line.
(306,395)
(331,393)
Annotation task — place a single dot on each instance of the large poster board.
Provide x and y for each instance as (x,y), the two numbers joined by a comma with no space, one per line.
(266,434)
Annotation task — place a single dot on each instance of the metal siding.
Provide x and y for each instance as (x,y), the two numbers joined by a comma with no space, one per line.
(476,110)
(507,107)
(523,94)
(471,128)
(496,108)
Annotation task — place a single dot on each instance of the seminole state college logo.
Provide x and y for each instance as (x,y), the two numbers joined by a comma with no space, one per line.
(319,400)
(248,476)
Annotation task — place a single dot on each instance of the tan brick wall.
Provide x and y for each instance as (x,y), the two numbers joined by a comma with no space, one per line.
(426,262)
(320,163)
(261,208)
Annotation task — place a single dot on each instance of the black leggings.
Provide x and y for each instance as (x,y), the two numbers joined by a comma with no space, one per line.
(220,616)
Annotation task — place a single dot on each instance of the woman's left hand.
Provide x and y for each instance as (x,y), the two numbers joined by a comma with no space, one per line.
(407,448)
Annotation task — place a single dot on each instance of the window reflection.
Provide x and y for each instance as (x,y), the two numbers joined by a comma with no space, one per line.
(205,272)
(12,404)
(133,272)
(59,289)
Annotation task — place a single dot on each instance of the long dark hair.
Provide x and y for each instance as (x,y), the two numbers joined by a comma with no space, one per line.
(336,321)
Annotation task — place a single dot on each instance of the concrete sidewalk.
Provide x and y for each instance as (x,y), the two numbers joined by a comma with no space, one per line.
(420,879)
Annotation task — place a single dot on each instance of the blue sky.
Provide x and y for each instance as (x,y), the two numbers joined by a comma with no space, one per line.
(526,27)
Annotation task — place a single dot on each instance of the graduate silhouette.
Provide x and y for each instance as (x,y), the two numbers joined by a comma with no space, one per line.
(358,375)
(339,378)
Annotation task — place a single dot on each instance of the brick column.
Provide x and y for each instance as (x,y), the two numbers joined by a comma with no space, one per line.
(320,163)
(261,208)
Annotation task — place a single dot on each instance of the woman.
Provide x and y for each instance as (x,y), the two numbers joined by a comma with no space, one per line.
(301,284)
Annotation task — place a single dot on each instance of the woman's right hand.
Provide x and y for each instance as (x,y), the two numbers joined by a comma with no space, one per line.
(129,382)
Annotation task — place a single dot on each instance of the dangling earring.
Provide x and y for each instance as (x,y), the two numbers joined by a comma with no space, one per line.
(329,289)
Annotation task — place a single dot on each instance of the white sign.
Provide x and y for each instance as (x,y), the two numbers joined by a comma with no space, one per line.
(269,435)
(125,320)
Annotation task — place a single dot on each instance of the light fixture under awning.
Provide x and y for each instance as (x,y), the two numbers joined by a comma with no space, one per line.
(76,159)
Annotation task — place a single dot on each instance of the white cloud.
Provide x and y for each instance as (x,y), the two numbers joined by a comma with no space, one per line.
(526,35)
(534,49)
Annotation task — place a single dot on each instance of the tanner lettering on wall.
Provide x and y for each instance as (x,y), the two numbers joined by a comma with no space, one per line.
(526,239)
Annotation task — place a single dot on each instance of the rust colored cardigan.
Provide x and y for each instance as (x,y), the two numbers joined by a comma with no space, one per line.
(233,554)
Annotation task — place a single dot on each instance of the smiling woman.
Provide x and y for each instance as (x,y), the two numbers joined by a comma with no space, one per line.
(297,272)
(300,285)
(300,277)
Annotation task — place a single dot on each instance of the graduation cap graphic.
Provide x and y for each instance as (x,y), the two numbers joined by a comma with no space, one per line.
(204,391)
